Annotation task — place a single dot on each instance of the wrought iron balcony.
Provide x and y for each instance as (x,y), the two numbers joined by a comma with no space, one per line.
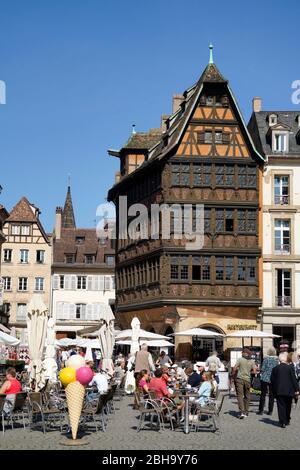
(283,249)
(282,200)
(284,301)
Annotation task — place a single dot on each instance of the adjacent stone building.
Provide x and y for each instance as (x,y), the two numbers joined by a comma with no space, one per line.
(277,136)
(26,261)
(82,274)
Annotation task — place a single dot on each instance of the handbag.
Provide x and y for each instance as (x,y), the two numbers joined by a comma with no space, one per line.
(256,384)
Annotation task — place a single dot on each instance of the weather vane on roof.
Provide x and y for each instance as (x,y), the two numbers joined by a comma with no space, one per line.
(69,179)
(211,57)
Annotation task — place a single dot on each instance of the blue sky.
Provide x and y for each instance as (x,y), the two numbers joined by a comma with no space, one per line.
(79,73)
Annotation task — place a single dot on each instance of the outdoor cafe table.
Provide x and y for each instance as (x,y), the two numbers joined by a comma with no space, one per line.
(186,395)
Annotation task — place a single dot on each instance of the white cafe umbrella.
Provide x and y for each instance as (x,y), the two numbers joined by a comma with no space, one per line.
(158,343)
(49,363)
(146,335)
(106,338)
(135,326)
(8,340)
(37,330)
(66,342)
(251,334)
(198,332)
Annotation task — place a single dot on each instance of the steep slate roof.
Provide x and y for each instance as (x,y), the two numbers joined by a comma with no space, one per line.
(179,121)
(259,126)
(68,218)
(90,246)
(22,212)
(143,140)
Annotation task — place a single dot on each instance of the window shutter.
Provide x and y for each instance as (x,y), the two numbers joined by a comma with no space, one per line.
(67,282)
(59,310)
(72,311)
(113,280)
(96,283)
(97,311)
(65,315)
(101,283)
(55,282)
(89,312)
(73,282)
(107,283)
(90,283)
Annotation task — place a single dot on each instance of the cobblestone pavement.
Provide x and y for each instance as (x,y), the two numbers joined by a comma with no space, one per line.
(254,432)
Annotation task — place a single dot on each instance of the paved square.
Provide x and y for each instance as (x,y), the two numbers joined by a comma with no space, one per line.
(255,432)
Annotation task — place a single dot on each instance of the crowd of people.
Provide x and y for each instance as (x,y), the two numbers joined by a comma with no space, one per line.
(278,377)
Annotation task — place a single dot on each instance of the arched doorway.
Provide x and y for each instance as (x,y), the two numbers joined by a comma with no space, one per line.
(203,347)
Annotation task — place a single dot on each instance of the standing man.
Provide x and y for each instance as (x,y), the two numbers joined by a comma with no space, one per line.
(242,370)
(285,388)
(143,360)
(213,362)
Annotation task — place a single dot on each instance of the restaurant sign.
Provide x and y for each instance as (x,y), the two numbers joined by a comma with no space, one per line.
(241,327)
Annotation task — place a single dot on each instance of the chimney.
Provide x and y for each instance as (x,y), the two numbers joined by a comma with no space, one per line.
(117,176)
(256,104)
(163,122)
(177,100)
(58,218)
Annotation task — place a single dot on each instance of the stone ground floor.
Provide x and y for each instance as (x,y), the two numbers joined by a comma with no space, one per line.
(221,319)
(255,432)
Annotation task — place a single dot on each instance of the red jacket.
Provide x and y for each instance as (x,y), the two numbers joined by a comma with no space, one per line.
(158,385)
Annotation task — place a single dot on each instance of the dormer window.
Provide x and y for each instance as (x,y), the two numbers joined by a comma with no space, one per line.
(209,101)
(272,119)
(89,259)
(70,258)
(280,142)
(80,240)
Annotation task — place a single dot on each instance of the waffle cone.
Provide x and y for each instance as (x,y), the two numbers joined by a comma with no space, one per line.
(75,395)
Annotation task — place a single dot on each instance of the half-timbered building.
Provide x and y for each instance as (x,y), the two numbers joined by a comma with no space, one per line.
(203,154)
(26,261)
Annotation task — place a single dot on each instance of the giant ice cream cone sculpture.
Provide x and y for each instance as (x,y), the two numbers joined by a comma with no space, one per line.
(75,396)
(75,377)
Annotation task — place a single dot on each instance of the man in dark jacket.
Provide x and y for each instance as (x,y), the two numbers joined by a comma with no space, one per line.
(285,387)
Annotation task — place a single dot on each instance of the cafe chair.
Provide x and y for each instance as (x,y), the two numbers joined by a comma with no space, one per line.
(211,411)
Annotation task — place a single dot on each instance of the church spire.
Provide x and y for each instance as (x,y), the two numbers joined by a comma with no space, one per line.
(68,219)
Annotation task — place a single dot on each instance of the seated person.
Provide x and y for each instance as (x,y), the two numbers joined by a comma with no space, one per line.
(163,359)
(158,385)
(100,381)
(10,388)
(180,373)
(166,376)
(206,389)
(11,385)
(195,378)
(143,382)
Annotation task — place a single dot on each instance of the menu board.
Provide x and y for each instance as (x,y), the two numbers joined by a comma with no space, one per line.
(223,380)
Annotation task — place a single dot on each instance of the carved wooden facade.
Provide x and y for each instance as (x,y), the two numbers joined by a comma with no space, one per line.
(206,156)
